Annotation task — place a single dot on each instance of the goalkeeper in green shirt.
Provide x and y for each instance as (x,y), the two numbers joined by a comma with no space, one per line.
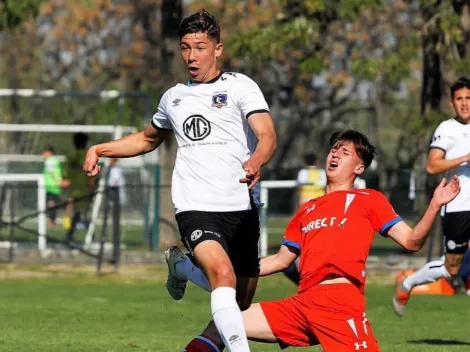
(52,178)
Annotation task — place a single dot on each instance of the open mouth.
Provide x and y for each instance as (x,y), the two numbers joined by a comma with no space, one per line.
(193,70)
(333,165)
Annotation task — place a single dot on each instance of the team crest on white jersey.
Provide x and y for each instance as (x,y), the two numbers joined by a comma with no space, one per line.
(219,100)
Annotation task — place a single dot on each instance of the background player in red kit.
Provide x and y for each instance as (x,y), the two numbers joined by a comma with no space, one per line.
(333,234)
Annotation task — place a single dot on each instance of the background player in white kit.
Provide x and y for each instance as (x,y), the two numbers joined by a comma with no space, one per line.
(449,153)
(210,116)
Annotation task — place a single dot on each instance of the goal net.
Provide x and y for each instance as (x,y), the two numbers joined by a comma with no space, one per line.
(30,120)
(23,201)
(23,179)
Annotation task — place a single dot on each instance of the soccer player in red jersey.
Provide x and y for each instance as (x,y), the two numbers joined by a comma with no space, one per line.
(333,234)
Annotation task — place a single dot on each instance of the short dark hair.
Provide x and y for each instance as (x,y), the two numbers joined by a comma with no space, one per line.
(200,22)
(462,82)
(80,140)
(310,159)
(49,148)
(364,149)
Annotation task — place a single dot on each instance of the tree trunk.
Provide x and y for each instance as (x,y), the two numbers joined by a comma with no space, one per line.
(431,95)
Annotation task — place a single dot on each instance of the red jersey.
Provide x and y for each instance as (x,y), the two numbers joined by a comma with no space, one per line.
(334,234)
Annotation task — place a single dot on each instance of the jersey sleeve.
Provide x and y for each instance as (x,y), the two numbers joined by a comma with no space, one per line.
(161,118)
(442,138)
(293,234)
(382,214)
(251,99)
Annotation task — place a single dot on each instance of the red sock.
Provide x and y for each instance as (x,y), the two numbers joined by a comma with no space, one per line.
(201,344)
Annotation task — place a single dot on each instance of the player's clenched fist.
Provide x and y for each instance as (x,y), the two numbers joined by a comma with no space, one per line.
(90,166)
(444,193)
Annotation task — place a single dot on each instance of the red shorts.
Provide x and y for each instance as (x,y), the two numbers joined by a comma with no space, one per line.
(330,315)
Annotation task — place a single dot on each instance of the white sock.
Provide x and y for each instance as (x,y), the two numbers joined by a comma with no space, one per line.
(431,272)
(228,319)
(188,271)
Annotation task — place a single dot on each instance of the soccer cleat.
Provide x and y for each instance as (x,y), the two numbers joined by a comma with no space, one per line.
(401,297)
(175,286)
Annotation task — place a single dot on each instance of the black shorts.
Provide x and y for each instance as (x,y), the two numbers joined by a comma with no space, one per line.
(237,232)
(456,228)
(51,197)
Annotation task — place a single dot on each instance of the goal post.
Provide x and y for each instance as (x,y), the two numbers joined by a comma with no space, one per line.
(265,186)
(36,118)
(41,201)
(114,132)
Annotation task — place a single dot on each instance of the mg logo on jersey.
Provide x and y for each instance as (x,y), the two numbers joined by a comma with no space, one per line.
(196,127)
(219,100)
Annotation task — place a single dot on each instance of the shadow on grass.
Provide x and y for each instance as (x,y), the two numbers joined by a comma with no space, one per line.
(439,342)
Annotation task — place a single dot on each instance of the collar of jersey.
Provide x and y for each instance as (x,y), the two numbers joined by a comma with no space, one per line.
(213,80)
(460,121)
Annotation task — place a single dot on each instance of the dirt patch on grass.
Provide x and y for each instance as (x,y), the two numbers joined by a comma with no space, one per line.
(21,274)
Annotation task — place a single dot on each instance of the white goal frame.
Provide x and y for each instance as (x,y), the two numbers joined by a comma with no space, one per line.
(116,131)
(265,186)
(42,219)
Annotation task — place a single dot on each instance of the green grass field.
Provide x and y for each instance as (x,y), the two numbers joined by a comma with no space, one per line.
(74,311)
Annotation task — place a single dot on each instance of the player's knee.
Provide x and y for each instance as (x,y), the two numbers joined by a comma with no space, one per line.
(453,262)
(222,275)
(452,270)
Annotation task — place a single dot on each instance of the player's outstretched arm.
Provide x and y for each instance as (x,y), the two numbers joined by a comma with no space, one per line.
(277,262)
(413,238)
(132,145)
(437,162)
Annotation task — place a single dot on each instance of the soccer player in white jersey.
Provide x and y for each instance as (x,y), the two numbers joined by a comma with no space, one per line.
(449,153)
(210,116)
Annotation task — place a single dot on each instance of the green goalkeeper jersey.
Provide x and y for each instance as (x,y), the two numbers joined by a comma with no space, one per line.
(52,175)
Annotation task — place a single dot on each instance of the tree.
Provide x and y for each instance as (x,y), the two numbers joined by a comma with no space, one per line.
(14,12)
(12,15)
(446,38)
(346,48)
